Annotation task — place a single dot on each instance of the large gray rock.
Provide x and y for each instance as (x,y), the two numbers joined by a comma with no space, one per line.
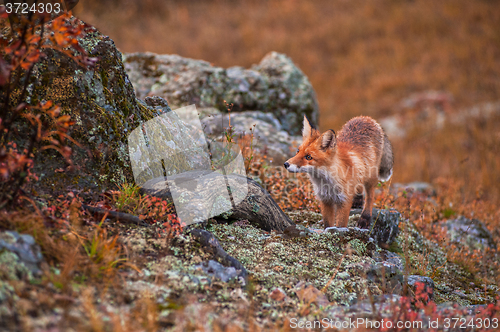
(101,100)
(275,85)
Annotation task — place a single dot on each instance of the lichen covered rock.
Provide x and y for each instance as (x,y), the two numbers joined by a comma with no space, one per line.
(20,255)
(469,232)
(384,227)
(275,85)
(101,100)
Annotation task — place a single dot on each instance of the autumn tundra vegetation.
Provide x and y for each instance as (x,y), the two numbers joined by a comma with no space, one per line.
(103,255)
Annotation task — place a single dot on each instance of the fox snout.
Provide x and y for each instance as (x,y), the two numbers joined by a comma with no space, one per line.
(292,168)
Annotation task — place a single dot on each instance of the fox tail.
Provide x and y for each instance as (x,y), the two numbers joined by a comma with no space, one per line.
(385,170)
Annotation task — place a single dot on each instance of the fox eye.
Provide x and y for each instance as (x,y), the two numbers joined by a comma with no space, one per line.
(308,157)
(297,151)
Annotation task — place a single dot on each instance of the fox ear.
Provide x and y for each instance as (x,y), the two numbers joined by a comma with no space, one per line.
(307,130)
(328,140)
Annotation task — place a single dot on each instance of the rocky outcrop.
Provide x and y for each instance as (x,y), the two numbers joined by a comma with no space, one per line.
(432,111)
(102,102)
(274,86)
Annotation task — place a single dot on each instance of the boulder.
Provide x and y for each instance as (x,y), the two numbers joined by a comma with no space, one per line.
(275,85)
(101,100)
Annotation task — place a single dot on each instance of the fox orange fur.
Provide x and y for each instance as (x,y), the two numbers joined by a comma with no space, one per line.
(345,165)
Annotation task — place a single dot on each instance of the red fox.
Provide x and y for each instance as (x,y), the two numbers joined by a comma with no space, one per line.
(340,167)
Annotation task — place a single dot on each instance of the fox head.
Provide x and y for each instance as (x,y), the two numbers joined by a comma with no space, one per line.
(316,150)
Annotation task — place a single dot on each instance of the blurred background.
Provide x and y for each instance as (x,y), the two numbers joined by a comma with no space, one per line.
(428,70)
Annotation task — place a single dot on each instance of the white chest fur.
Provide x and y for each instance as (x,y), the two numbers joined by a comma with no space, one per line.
(326,187)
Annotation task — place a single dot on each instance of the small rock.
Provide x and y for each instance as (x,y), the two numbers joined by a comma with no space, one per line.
(158,103)
(25,247)
(295,231)
(384,227)
(350,232)
(343,275)
(388,257)
(470,232)
(217,270)
(426,284)
(387,274)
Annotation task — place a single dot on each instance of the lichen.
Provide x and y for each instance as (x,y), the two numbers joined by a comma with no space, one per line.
(12,268)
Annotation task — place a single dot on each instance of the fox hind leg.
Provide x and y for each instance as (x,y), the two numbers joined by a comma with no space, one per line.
(358,201)
(366,216)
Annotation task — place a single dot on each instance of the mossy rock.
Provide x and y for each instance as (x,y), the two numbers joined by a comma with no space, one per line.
(102,102)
